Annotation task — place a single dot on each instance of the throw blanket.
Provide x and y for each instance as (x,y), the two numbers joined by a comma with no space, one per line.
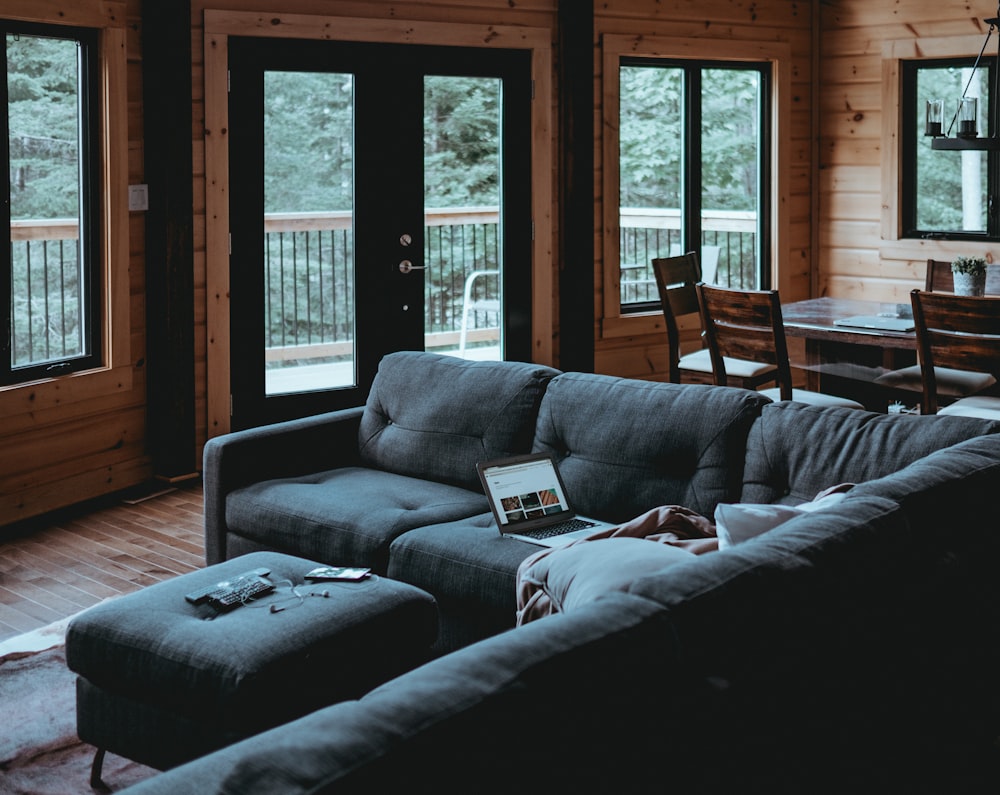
(556,579)
(548,582)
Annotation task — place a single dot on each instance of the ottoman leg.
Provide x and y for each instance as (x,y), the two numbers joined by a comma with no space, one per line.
(95,771)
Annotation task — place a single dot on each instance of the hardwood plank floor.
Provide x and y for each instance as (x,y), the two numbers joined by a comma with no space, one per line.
(57,565)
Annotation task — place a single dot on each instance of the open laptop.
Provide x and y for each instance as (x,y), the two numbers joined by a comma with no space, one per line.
(877,322)
(529,501)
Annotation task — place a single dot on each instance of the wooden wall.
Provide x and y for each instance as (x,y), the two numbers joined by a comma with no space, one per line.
(76,437)
(858,254)
(68,443)
(211,263)
(723,26)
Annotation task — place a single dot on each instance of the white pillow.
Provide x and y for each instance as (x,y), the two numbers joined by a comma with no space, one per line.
(736,522)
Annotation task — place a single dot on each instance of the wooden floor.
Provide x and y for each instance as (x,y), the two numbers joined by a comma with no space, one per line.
(54,567)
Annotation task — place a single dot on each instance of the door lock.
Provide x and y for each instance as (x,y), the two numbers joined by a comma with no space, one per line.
(406,266)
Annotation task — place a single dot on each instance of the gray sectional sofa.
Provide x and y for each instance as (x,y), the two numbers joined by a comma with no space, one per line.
(851,649)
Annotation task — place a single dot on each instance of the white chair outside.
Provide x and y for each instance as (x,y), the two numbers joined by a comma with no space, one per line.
(471,305)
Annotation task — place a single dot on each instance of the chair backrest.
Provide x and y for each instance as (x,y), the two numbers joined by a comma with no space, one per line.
(745,324)
(676,278)
(955,331)
(940,280)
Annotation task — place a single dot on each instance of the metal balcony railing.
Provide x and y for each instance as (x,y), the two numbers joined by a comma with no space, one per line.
(47,314)
(728,251)
(309,276)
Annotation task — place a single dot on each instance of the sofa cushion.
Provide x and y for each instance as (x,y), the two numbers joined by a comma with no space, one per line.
(344,516)
(740,521)
(625,446)
(434,417)
(795,451)
(466,559)
(471,571)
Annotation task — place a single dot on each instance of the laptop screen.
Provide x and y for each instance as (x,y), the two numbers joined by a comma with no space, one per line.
(524,490)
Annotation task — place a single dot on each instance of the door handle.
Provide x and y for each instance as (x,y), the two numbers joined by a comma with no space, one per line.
(406,266)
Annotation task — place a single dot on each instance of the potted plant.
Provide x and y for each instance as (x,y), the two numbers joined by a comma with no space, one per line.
(969,274)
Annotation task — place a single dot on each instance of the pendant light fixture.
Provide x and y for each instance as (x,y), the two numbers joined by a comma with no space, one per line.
(967,114)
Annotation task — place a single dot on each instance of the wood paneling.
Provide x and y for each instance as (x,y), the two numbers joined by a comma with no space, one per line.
(713,28)
(858,254)
(531,27)
(80,437)
(75,437)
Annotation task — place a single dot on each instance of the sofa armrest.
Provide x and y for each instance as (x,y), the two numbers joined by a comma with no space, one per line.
(284,449)
(564,703)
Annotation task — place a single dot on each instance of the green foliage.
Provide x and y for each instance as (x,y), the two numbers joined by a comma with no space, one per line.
(650,142)
(43,109)
(971,265)
(308,134)
(309,141)
(43,112)
(939,176)
(461,141)
(651,145)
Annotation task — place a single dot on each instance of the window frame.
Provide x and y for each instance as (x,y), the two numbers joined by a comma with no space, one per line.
(910,112)
(691,179)
(89,250)
(614,322)
(112,372)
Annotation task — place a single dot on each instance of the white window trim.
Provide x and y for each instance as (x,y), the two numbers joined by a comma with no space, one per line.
(614,323)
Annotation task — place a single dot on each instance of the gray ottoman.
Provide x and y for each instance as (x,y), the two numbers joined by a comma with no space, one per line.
(161,681)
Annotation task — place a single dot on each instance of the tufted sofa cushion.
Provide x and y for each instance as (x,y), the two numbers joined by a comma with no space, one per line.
(794,451)
(625,446)
(433,417)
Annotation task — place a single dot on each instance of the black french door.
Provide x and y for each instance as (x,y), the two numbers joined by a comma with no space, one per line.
(346,242)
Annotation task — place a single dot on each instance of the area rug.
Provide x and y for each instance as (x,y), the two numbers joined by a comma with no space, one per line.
(40,753)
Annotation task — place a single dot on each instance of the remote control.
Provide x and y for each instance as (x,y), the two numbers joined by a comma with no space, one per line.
(240,591)
(201,595)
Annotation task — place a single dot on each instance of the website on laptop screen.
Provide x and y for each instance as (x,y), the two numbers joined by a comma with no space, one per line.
(525,491)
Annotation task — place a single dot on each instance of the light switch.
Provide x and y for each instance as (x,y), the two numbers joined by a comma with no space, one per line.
(138,197)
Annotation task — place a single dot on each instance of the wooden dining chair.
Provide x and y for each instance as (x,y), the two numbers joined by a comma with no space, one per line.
(950,383)
(961,333)
(747,324)
(676,278)
(938,278)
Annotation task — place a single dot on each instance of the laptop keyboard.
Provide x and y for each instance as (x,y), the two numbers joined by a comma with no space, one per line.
(559,529)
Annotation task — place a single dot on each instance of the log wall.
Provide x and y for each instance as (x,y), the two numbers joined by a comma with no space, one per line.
(76,439)
(72,438)
(859,254)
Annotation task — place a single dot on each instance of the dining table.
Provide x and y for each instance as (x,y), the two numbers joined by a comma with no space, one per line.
(846,360)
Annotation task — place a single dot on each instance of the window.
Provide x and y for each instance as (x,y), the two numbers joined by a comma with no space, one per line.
(693,149)
(52,261)
(947,194)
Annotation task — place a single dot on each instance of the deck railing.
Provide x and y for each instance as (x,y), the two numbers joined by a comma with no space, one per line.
(46,299)
(728,251)
(309,276)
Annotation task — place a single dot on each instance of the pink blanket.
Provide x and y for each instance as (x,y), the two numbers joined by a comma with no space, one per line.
(555,579)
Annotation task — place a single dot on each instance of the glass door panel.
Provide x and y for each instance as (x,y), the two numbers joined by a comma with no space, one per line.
(731,152)
(463,279)
(309,312)
(366,186)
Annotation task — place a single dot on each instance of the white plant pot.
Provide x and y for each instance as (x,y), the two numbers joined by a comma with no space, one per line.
(970,283)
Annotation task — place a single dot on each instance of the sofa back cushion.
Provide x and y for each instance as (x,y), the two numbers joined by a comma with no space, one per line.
(433,417)
(625,446)
(795,450)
